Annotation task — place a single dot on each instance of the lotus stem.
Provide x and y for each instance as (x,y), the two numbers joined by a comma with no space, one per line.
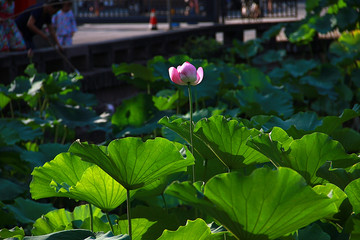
(91,218)
(165,205)
(64,135)
(128,211)
(110,223)
(191,130)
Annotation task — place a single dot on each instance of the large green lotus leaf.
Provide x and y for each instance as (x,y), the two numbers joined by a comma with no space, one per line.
(159,218)
(83,181)
(166,99)
(349,138)
(98,188)
(298,68)
(254,77)
(13,131)
(139,227)
(305,155)
(313,232)
(61,219)
(270,101)
(14,233)
(248,49)
(75,234)
(265,205)
(211,150)
(45,153)
(10,190)
(134,163)
(193,230)
(227,139)
(303,35)
(350,40)
(27,211)
(352,191)
(323,24)
(346,17)
(73,115)
(65,169)
(134,112)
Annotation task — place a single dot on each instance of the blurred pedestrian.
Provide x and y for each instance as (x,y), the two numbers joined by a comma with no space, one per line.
(31,21)
(65,24)
(11,39)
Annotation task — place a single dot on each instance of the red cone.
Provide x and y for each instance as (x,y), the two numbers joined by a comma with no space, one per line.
(153,20)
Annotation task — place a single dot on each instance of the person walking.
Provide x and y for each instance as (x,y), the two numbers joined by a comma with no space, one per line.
(65,24)
(31,21)
(11,39)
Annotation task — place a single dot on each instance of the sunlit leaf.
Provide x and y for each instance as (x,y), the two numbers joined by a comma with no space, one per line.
(61,219)
(82,181)
(272,203)
(132,162)
(193,230)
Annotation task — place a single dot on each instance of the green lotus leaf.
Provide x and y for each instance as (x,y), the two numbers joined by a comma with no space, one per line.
(83,181)
(73,115)
(4,100)
(64,168)
(218,140)
(132,162)
(313,232)
(247,49)
(61,219)
(139,227)
(159,218)
(335,192)
(27,211)
(348,137)
(299,68)
(166,99)
(9,190)
(305,155)
(323,24)
(14,233)
(75,234)
(265,205)
(134,111)
(193,230)
(303,35)
(352,191)
(227,139)
(98,188)
(346,17)
(13,131)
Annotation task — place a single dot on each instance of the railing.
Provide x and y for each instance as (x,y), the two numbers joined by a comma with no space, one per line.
(180,10)
(261,9)
(139,10)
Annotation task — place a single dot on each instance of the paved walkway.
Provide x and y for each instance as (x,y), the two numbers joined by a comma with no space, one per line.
(91,33)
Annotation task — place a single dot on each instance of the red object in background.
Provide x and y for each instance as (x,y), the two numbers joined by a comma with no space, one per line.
(21,5)
(153,20)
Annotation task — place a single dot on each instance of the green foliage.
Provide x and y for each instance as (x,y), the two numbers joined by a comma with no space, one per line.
(275,144)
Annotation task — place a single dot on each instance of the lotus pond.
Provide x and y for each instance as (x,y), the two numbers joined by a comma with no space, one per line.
(267,147)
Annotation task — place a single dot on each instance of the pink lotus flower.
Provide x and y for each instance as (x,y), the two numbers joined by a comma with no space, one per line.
(186,74)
